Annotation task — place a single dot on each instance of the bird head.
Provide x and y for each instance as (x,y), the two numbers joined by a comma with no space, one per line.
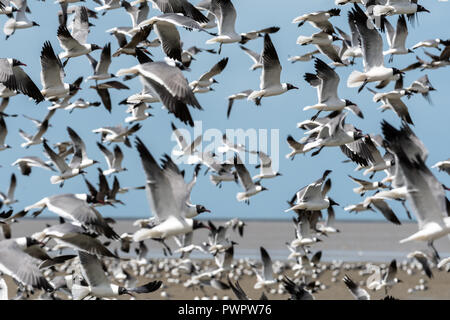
(349,103)
(358,134)
(123,290)
(73,88)
(333,203)
(16,62)
(95,47)
(290,86)
(422,9)
(201,209)
(397,71)
(35,24)
(199,225)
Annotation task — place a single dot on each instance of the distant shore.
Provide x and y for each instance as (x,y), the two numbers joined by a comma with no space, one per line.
(358,240)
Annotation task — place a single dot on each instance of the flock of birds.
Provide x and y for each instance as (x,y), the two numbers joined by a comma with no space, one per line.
(95,269)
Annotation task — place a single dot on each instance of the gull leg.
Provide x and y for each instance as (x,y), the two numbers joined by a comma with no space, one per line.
(313,118)
(362,86)
(406,209)
(431,245)
(315,153)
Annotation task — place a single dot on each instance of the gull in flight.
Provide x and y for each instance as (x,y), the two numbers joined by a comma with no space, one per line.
(270,84)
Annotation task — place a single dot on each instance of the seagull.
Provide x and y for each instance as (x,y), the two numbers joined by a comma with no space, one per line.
(6,94)
(329,226)
(71,235)
(334,133)
(76,208)
(74,43)
(432,43)
(137,14)
(313,196)
(67,171)
(52,74)
(297,292)
(326,80)
(168,194)
(423,260)
(372,48)
(238,96)
(392,7)
(265,277)
(270,77)
(375,282)
(118,133)
(21,21)
(8,199)
(365,186)
(3,134)
(178,6)
(169,85)
(436,61)
(101,67)
(37,138)
(81,104)
(357,292)
(165,27)
(108,5)
(6,8)
(138,112)
(99,285)
(422,86)
(358,208)
(228,145)
(397,38)
(321,38)
(304,57)
(378,202)
(188,55)
(14,78)
(225,173)
(114,160)
(251,188)
(207,79)
(103,93)
(256,58)
(26,163)
(425,194)
(65,102)
(15,262)
(319,19)
(39,123)
(252,35)
(443,165)
(295,146)
(185,149)
(129,48)
(266,171)
(303,236)
(66,10)
(225,13)
(78,143)
(352,42)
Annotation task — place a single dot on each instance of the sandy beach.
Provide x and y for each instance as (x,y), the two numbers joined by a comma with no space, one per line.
(377,243)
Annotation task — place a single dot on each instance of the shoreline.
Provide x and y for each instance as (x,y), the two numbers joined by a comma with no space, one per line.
(376,241)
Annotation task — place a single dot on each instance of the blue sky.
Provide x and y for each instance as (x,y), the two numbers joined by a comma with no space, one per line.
(282,112)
